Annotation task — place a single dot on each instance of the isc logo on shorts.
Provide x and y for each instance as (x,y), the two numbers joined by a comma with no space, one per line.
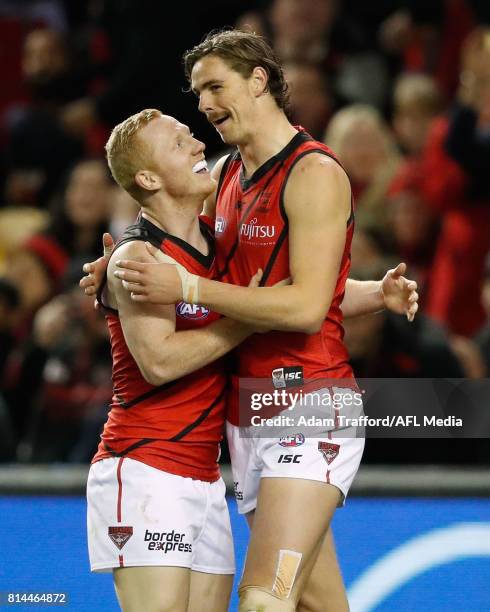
(191,311)
(167,541)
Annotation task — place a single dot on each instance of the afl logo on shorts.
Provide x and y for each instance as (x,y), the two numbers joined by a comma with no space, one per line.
(219,225)
(292,441)
(191,311)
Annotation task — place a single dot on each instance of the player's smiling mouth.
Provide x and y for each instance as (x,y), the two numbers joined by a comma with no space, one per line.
(221,120)
(200,167)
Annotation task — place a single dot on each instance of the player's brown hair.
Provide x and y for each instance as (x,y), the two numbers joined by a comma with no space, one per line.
(243,51)
(126,154)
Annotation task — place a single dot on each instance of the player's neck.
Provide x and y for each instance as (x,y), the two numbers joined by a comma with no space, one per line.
(272,134)
(180,219)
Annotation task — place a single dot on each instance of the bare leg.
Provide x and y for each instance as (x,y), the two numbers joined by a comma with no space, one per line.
(280,524)
(153,589)
(210,592)
(325,590)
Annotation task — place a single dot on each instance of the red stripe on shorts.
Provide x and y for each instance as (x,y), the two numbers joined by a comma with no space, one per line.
(328,476)
(121,561)
(119,491)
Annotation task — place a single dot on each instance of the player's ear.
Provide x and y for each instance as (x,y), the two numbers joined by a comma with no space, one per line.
(147,180)
(259,80)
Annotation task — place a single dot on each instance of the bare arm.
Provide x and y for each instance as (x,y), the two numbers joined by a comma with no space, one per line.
(161,353)
(394,292)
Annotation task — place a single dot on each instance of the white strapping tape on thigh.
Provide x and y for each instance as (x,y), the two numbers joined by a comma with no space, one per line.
(287,568)
(190,282)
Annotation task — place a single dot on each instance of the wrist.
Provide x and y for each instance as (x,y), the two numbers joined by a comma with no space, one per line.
(381,296)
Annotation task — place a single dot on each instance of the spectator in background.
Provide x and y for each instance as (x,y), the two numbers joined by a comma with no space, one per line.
(39,150)
(83,213)
(142,63)
(310,101)
(37,268)
(411,225)
(322,33)
(456,167)
(71,342)
(35,271)
(363,143)
(416,102)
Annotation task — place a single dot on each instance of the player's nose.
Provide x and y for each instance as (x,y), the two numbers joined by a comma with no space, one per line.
(205,105)
(199,147)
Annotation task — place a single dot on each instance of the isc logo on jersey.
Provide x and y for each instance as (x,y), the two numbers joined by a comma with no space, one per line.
(191,311)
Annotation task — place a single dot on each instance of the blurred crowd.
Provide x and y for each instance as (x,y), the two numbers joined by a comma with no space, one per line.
(400,91)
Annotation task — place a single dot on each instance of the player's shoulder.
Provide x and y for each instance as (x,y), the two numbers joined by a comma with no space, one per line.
(318,168)
(131,249)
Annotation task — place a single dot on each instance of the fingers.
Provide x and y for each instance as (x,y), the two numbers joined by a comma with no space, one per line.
(88,285)
(129,264)
(412,311)
(284,282)
(158,255)
(128,275)
(256,278)
(398,271)
(108,244)
(139,297)
(134,288)
(89,267)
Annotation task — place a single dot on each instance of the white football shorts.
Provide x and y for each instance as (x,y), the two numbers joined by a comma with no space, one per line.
(331,457)
(138,515)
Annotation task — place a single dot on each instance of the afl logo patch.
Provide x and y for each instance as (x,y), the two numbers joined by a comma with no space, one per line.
(191,311)
(292,441)
(219,225)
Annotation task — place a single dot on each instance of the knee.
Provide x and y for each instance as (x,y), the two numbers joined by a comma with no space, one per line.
(258,599)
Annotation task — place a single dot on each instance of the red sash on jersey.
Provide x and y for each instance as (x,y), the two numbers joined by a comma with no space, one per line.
(178,426)
(251,232)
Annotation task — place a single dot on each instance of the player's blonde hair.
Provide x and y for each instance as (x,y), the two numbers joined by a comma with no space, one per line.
(126,154)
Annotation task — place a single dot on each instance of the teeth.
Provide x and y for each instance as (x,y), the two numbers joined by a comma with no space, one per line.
(201,165)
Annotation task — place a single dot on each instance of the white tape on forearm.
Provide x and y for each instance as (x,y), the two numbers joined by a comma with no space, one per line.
(190,282)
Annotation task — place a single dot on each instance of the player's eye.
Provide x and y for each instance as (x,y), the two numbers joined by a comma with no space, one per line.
(215,87)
